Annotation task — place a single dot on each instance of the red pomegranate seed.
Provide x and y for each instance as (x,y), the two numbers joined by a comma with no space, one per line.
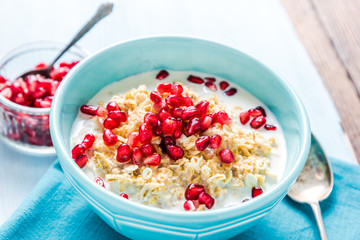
(155,97)
(258,122)
(195,79)
(255,112)
(133,139)
(226,156)
(93,110)
(38,93)
(270,127)
(190,205)
(193,191)
(78,150)
(223,85)
(223,118)
(262,110)
(123,153)
(118,116)
(165,141)
(147,149)
(206,199)
(6,92)
(162,74)
(202,143)
(163,114)
(137,156)
(110,123)
(177,113)
(256,191)
(109,137)
(210,79)
(153,160)
(174,152)
(145,133)
(206,123)
(194,126)
(178,130)
(211,86)
(176,89)
(173,101)
(124,195)
(168,126)
(164,88)
(202,108)
(151,119)
(81,160)
(159,106)
(244,117)
(43,103)
(41,66)
(59,74)
(186,101)
(231,91)
(215,141)
(189,113)
(112,106)
(88,141)
(19,99)
(99,181)
(157,129)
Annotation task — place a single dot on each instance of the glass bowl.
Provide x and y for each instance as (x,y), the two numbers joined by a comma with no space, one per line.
(27,128)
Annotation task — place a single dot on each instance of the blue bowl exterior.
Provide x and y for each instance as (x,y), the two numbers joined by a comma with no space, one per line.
(116,62)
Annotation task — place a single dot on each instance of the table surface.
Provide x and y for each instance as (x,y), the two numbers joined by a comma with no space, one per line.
(260,28)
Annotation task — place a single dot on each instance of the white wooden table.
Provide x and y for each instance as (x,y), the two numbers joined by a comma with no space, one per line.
(260,28)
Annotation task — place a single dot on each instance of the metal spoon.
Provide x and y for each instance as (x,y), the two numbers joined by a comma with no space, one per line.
(314,183)
(104,10)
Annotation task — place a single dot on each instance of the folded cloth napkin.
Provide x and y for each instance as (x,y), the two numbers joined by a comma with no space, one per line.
(54,210)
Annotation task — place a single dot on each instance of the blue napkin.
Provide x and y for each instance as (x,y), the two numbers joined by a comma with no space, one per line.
(54,210)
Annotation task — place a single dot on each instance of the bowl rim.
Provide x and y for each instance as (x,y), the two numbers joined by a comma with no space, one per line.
(255,204)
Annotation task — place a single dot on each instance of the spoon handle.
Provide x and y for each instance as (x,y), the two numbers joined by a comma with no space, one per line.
(104,10)
(319,220)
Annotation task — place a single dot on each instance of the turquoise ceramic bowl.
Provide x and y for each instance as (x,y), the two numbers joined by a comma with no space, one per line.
(138,221)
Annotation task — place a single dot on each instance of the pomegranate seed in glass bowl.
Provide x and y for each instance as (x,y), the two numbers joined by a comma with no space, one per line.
(25,103)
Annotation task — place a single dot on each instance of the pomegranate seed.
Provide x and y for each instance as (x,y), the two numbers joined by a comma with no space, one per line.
(168,126)
(174,152)
(226,156)
(159,106)
(38,93)
(118,116)
(215,141)
(41,66)
(270,127)
(262,110)
(109,137)
(210,79)
(123,153)
(6,92)
(81,160)
(151,119)
(244,117)
(112,106)
(211,86)
(43,103)
(194,126)
(190,205)
(173,101)
(176,89)
(153,160)
(206,199)
(78,150)
(59,74)
(223,118)
(93,110)
(231,91)
(88,141)
(223,85)
(189,113)
(186,101)
(145,133)
(147,149)
(165,141)
(195,79)
(256,191)
(178,130)
(124,195)
(255,112)
(202,143)
(110,123)
(136,156)
(99,181)
(177,113)
(193,191)
(157,129)
(164,88)
(155,97)
(162,115)
(162,74)
(258,122)
(20,99)
(206,123)
(133,139)
(202,108)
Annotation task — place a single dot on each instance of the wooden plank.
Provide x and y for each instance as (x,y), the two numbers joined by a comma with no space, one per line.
(335,62)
